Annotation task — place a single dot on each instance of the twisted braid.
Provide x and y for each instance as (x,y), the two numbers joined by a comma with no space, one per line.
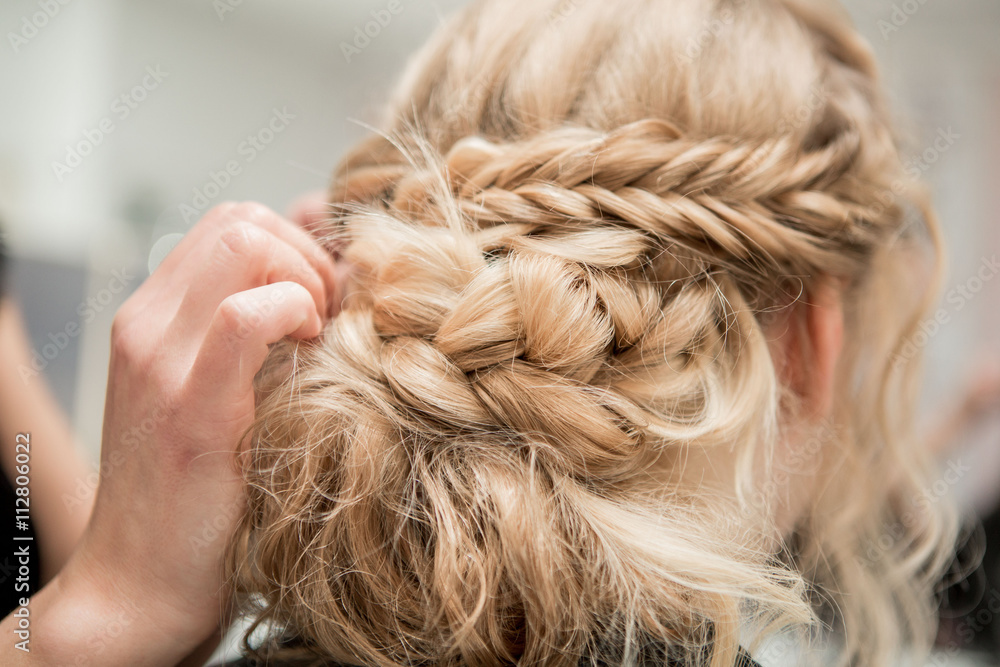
(736,202)
(558,302)
(594,257)
(491,408)
(457,331)
(554,315)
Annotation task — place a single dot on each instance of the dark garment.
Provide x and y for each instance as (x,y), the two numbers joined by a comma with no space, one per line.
(16,582)
(971,589)
(744,660)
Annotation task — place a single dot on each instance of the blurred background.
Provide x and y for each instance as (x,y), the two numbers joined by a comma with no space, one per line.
(126,119)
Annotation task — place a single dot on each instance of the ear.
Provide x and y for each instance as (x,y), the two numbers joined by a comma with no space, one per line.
(807,346)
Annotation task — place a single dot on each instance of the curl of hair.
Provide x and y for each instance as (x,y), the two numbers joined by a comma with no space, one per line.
(564,260)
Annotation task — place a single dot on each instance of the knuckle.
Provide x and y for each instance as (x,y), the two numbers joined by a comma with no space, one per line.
(302,273)
(244,239)
(124,337)
(118,328)
(251,211)
(125,315)
(237,316)
(231,311)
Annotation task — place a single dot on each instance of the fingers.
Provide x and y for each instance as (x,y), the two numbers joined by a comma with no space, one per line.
(244,257)
(235,249)
(242,328)
(196,248)
(295,236)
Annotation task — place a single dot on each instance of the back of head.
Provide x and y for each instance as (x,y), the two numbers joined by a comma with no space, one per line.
(566,248)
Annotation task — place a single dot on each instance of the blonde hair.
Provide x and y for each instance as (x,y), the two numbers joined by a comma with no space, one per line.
(567,246)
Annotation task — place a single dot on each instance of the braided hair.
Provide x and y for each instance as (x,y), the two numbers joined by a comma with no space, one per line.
(565,250)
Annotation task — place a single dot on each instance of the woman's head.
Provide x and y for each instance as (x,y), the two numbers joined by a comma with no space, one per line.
(619,362)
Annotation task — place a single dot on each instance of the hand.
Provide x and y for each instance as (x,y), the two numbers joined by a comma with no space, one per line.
(185,349)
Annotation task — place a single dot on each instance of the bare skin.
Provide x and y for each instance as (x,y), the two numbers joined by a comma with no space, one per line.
(185,349)
(27,406)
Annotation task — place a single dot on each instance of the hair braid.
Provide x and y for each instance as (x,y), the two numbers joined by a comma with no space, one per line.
(501,451)
(733,202)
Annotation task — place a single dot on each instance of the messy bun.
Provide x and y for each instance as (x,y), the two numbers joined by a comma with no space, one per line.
(554,306)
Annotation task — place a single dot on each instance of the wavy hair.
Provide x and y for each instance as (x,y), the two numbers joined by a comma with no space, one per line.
(568,247)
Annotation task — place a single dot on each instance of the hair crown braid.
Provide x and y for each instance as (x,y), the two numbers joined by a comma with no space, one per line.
(565,251)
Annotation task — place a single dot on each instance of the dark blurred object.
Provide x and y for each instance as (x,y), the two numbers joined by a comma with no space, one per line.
(970,603)
(12,583)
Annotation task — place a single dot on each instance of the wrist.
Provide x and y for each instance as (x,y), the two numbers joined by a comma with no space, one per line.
(87,617)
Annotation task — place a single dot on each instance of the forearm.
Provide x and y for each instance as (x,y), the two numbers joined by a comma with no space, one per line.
(80,620)
(185,349)
(62,486)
